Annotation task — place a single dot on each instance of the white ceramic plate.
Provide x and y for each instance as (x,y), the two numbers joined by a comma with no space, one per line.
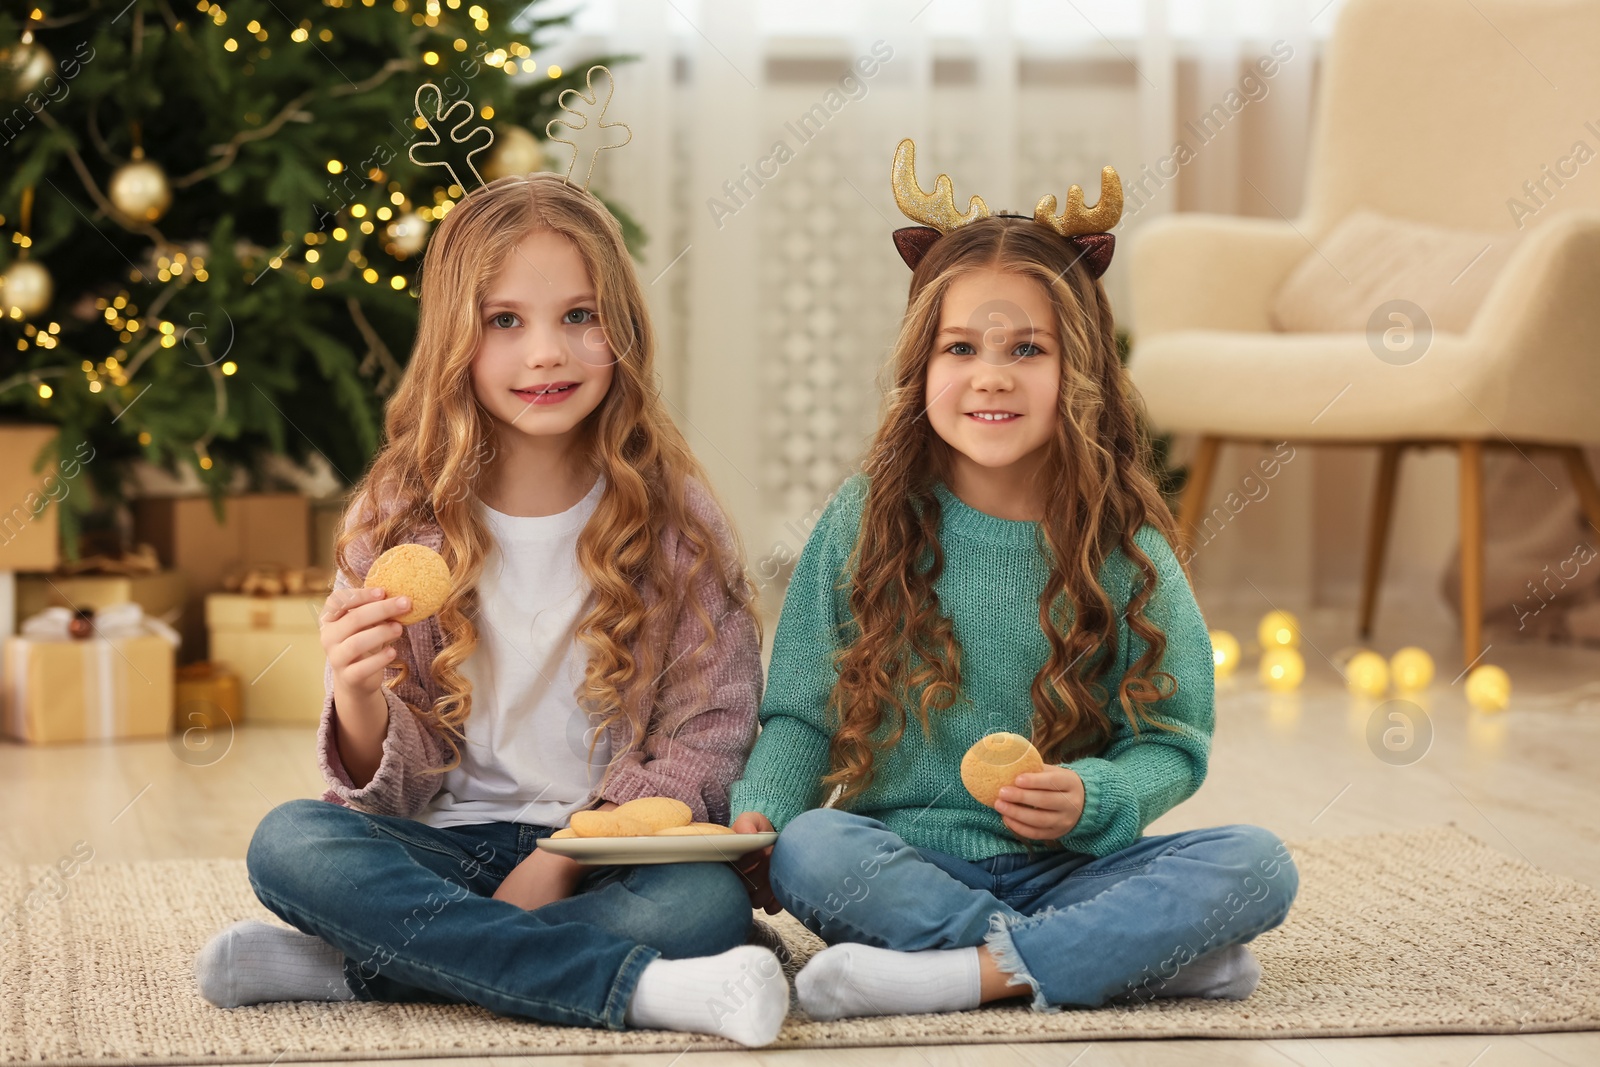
(681,848)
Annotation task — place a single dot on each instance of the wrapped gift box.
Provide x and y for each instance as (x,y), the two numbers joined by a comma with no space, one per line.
(272,644)
(30,527)
(161,595)
(325,515)
(118,684)
(256,528)
(209,698)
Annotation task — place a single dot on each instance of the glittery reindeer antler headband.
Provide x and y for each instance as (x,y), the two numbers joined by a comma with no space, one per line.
(582,106)
(1085,229)
(432,118)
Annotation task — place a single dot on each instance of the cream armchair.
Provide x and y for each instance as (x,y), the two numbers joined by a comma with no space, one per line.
(1433,112)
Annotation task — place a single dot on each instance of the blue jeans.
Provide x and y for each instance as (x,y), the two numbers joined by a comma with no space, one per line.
(1079,930)
(410,906)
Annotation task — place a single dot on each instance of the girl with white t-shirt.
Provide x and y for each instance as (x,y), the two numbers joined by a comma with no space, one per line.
(597,645)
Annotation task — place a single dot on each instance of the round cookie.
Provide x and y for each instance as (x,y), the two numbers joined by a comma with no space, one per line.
(412,570)
(994,762)
(565,832)
(657,812)
(695,829)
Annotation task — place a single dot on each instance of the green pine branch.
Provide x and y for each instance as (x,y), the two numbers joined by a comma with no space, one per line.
(289,306)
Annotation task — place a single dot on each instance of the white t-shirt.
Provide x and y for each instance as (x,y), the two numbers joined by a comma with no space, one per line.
(525,758)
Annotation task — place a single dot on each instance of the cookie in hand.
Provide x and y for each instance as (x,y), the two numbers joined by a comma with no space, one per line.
(994,763)
(416,571)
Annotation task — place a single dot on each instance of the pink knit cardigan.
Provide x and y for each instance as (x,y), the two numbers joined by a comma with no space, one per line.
(696,741)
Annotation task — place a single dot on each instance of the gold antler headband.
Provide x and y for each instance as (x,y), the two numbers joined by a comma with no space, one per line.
(1075,220)
(937,209)
(457,119)
(593,105)
(1086,229)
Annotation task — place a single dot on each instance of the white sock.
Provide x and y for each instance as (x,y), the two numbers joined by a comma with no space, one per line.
(740,994)
(251,962)
(847,980)
(1228,973)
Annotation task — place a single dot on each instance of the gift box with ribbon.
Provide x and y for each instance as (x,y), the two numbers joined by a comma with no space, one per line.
(100,581)
(273,644)
(114,681)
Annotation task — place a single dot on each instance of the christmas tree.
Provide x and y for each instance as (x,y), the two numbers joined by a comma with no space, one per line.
(212,225)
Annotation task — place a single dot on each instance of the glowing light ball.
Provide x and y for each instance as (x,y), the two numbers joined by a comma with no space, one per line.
(1411,668)
(1224,652)
(1367,674)
(1488,688)
(1279,629)
(1282,669)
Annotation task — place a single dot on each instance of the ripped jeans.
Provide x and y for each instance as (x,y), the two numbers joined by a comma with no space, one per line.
(1079,930)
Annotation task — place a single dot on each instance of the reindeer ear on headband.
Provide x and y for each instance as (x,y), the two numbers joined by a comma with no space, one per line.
(913,242)
(1086,230)
(1093,249)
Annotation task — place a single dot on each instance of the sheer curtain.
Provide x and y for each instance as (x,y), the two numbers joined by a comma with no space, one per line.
(759,167)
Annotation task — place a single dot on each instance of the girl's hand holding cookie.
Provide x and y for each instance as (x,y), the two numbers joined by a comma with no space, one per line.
(356,628)
(1042,805)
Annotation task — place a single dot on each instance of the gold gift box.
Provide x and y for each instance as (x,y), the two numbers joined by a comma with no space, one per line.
(272,644)
(86,690)
(161,595)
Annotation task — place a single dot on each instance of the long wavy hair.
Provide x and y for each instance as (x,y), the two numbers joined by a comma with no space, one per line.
(1096,488)
(439,442)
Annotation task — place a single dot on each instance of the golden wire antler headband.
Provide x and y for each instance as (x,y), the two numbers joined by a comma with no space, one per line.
(1086,229)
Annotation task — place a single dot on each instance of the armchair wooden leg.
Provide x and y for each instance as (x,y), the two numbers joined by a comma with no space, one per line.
(1583,482)
(1378,533)
(1471,466)
(1194,493)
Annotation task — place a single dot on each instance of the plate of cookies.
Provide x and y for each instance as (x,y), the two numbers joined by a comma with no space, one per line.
(650,830)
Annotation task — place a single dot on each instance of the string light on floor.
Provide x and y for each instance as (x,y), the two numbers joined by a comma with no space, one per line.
(1278,629)
(1367,674)
(1282,669)
(1411,668)
(1488,687)
(1224,652)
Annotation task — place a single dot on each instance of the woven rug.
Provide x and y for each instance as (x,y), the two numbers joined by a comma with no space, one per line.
(1422,932)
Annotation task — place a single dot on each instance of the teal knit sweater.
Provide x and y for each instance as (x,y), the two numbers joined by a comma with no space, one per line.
(990,587)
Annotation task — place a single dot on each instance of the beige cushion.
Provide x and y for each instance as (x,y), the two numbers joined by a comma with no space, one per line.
(1370,259)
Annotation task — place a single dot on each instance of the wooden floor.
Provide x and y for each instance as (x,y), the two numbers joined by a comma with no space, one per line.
(1524,781)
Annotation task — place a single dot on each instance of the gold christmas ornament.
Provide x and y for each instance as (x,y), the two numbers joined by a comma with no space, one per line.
(1282,669)
(27,287)
(1412,669)
(1367,674)
(1224,652)
(516,151)
(408,233)
(140,190)
(24,67)
(1279,629)
(1488,688)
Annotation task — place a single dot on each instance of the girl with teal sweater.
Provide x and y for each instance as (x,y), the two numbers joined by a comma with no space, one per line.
(1003,563)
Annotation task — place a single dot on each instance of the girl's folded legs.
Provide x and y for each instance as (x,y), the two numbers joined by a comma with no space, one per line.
(740,994)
